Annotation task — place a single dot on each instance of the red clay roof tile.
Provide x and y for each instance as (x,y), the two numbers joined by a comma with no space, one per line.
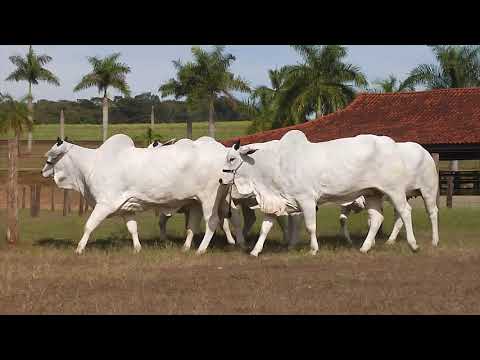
(445,116)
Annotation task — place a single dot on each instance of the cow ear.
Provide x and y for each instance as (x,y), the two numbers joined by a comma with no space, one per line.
(236,146)
(59,141)
(247,150)
(171,141)
(155,143)
(66,138)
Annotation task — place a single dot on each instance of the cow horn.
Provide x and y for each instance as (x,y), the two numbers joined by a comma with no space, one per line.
(236,146)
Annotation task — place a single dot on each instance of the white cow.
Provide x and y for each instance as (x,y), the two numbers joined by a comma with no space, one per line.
(422,180)
(295,175)
(120,179)
(193,212)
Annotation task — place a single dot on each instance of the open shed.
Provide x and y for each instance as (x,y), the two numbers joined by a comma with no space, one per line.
(446,122)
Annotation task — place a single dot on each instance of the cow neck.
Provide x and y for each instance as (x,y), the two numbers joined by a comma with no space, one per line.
(83,161)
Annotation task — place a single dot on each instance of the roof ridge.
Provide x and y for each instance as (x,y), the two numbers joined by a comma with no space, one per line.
(403,93)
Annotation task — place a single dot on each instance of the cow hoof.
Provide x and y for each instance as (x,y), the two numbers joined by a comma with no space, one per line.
(185,249)
(137,249)
(364,250)
(415,248)
(313,252)
(254,253)
(390,242)
(79,251)
(201,252)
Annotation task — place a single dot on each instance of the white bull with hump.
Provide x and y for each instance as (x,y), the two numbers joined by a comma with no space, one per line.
(422,180)
(193,212)
(120,179)
(294,175)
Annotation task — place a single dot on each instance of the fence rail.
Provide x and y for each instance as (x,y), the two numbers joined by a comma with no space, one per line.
(464,182)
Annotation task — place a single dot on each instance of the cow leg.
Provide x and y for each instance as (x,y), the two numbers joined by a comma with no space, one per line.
(98,214)
(228,233)
(374,209)
(210,211)
(293,221)
(399,201)
(396,228)
(193,220)
(344,212)
(283,222)
(249,219)
(162,223)
(133,229)
(310,216)
(265,229)
(236,221)
(430,201)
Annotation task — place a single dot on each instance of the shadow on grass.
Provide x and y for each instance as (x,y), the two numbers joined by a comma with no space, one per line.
(218,241)
(124,242)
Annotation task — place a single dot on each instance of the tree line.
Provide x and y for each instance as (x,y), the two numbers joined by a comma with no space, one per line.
(131,110)
(322,82)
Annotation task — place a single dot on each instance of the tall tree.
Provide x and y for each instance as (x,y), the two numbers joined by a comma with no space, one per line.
(262,104)
(391,85)
(456,67)
(31,69)
(204,79)
(106,72)
(14,116)
(322,83)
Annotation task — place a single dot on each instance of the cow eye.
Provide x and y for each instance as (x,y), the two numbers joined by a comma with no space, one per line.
(231,159)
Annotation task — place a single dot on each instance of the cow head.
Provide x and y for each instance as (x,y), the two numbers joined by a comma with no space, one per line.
(232,172)
(56,165)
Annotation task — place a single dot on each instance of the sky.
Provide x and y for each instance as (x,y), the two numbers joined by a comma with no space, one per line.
(151,65)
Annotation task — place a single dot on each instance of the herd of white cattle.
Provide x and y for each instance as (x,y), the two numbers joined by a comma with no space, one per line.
(285,179)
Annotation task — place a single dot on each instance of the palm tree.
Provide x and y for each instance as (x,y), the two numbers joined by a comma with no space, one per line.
(181,87)
(14,116)
(262,103)
(204,79)
(31,69)
(456,67)
(321,84)
(106,72)
(392,85)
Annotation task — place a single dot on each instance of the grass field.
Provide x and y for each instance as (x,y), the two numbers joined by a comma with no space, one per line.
(79,132)
(42,275)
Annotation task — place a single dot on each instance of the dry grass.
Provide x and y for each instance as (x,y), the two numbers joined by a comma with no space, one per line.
(41,275)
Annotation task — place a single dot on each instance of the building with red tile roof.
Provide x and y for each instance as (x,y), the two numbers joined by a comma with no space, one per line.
(444,121)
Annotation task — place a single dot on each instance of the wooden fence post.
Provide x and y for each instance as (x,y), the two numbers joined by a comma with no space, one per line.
(52,199)
(453,167)
(24,190)
(38,198)
(69,202)
(32,200)
(65,200)
(80,205)
(436,158)
(12,191)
